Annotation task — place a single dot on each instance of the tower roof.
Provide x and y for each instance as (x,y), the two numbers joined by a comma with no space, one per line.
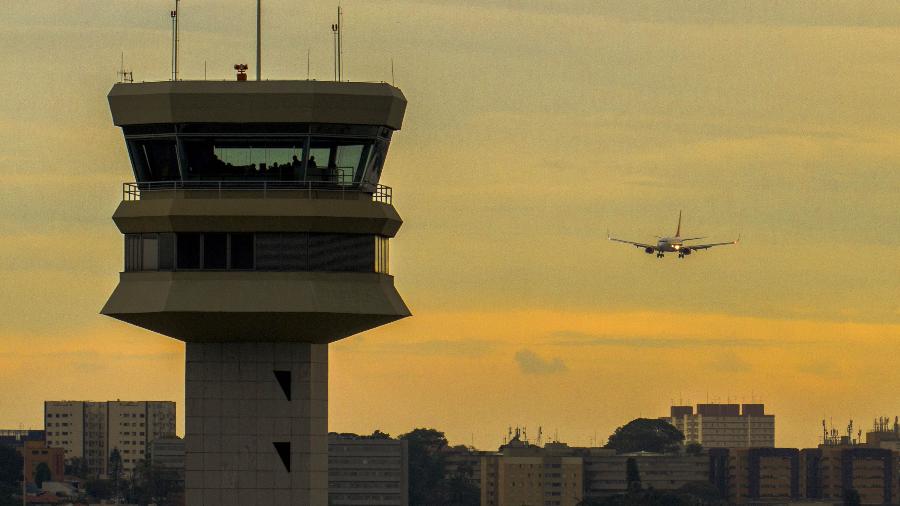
(377,104)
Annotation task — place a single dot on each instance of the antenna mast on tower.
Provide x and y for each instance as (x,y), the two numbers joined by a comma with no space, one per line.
(258,40)
(336,30)
(125,76)
(174,15)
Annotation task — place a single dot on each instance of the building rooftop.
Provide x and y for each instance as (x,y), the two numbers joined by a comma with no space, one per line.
(172,102)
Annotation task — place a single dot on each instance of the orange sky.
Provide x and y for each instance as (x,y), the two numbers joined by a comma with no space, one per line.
(531,130)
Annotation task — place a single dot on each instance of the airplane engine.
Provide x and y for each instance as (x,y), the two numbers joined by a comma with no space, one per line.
(649,251)
(686,251)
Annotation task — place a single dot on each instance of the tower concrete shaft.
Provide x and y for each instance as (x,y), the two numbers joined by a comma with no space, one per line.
(257,231)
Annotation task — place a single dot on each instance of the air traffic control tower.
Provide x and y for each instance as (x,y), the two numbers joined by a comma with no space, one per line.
(256,232)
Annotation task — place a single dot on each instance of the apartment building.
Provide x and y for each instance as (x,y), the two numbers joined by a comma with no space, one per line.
(521,473)
(92,430)
(366,470)
(725,425)
(829,471)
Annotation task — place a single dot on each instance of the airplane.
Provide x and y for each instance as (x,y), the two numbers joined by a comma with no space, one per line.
(674,244)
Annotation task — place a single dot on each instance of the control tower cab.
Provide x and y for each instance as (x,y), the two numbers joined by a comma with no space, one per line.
(257,231)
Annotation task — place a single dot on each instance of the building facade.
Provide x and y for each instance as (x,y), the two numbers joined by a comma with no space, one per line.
(763,475)
(16,438)
(725,425)
(605,472)
(368,471)
(35,453)
(524,474)
(831,471)
(92,430)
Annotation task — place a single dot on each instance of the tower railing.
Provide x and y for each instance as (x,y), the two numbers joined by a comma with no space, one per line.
(267,189)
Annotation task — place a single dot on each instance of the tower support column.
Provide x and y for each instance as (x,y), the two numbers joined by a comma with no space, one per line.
(256,428)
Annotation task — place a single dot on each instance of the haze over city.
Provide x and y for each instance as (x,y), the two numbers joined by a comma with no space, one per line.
(531,130)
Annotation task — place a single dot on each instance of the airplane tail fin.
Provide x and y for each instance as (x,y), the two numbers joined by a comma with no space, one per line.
(678,231)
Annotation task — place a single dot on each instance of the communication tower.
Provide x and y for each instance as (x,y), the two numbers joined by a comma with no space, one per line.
(257,232)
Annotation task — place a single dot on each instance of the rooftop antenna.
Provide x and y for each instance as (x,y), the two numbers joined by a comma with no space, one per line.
(258,40)
(307,64)
(336,30)
(125,76)
(393,82)
(174,15)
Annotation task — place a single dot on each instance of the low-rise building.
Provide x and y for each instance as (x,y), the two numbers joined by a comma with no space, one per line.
(367,470)
(35,453)
(16,438)
(605,472)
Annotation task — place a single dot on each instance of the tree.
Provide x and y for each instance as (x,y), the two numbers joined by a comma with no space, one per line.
(462,489)
(77,467)
(99,489)
(426,466)
(702,492)
(115,472)
(41,474)
(644,434)
(851,497)
(10,466)
(380,435)
(10,476)
(632,476)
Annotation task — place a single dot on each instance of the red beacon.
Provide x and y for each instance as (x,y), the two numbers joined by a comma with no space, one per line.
(241,71)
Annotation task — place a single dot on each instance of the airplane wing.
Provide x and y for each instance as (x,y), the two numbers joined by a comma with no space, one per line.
(707,246)
(635,244)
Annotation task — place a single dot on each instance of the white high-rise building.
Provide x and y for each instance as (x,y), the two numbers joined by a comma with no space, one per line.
(92,430)
(725,425)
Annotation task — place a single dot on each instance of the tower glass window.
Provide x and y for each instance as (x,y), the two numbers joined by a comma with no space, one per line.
(318,153)
(188,247)
(215,250)
(154,160)
(297,251)
(150,252)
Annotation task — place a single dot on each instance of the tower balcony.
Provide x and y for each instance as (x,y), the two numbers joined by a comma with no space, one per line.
(320,189)
(230,260)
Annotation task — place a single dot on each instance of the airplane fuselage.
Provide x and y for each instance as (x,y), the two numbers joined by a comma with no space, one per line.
(669,244)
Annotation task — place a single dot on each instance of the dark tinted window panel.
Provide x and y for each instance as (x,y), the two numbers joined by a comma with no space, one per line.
(132,252)
(341,252)
(154,160)
(188,246)
(215,251)
(241,251)
(244,159)
(166,252)
(150,252)
(281,252)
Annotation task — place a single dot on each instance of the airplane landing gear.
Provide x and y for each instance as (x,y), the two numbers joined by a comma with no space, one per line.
(659,255)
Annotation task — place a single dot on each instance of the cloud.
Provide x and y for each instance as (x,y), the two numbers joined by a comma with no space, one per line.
(729,362)
(569,338)
(531,363)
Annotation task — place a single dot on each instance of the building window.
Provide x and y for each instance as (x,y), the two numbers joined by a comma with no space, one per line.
(188,251)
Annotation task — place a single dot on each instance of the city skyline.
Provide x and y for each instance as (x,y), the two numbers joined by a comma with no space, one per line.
(530,131)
